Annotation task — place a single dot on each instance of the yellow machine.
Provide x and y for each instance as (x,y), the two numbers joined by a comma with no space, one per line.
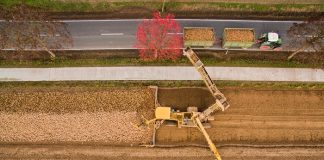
(192,118)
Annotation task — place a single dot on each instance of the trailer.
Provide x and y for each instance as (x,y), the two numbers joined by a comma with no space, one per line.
(238,38)
(198,37)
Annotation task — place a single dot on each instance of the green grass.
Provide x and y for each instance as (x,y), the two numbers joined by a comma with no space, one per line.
(58,6)
(134,84)
(137,62)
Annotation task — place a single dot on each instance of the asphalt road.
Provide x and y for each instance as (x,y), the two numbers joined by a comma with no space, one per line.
(120,34)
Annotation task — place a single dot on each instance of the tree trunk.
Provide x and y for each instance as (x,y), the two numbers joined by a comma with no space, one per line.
(163,6)
(296,52)
(155,54)
(53,56)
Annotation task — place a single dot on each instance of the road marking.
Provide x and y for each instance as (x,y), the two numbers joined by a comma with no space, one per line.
(213,20)
(45,35)
(135,20)
(112,34)
(133,48)
(308,36)
(175,33)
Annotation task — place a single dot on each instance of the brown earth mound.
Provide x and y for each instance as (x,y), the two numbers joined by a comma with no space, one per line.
(78,115)
(70,100)
(114,128)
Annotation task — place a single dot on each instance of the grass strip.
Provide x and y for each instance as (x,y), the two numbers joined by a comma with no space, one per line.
(75,6)
(132,84)
(106,62)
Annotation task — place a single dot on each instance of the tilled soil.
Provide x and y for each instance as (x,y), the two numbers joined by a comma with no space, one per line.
(199,34)
(144,153)
(239,35)
(254,117)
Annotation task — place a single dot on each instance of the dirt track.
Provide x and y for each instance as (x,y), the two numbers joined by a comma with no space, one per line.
(135,153)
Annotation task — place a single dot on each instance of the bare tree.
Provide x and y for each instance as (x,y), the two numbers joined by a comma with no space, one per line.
(25,27)
(307,35)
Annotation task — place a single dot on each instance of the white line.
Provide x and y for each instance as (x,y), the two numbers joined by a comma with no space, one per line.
(214,20)
(220,20)
(112,34)
(236,20)
(45,35)
(133,48)
(175,33)
(307,36)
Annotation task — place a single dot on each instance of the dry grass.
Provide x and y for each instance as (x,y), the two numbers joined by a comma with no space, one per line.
(225,1)
(171,6)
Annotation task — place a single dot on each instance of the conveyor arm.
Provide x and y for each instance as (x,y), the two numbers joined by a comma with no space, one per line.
(194,59)
(209,141)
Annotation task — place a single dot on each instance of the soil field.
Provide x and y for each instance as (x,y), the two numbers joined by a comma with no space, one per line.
(255,117)
(37,152)
(87,115)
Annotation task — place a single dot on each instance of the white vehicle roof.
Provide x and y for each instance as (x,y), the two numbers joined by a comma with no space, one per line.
(273,37)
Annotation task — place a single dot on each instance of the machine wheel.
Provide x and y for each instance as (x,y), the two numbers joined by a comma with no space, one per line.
(192,109)
(265,47)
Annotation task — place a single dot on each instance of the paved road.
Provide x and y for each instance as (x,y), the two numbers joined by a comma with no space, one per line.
(120,34)
(160,73)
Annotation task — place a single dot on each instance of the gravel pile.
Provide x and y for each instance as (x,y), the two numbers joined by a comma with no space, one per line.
(84,115)
(71,100)
(100,127)
(199,34)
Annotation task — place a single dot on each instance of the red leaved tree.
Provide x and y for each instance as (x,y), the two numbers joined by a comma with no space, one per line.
(158,38)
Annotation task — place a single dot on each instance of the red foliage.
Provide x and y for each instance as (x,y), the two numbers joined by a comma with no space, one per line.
(157,38)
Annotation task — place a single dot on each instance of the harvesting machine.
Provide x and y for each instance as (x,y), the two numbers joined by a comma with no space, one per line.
(192,117)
